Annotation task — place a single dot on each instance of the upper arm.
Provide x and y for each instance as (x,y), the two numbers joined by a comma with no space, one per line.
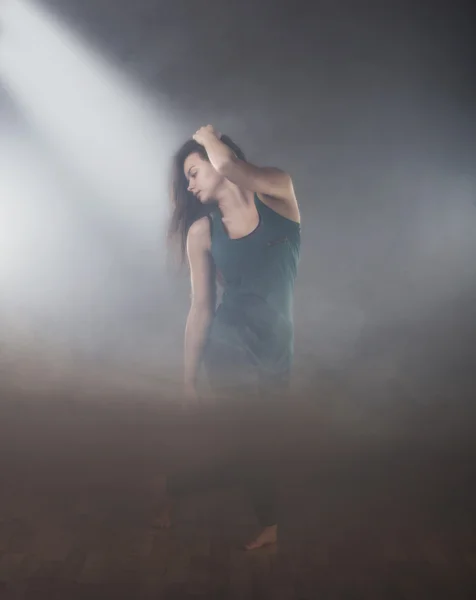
(202,268)
(268,181)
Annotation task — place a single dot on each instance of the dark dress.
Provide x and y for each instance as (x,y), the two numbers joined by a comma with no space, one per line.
(251,338)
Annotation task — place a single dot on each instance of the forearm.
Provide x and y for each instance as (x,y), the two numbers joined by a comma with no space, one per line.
(220,155)
(265,180)
(196,332)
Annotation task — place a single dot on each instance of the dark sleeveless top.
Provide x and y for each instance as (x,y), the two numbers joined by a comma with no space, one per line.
(257,273)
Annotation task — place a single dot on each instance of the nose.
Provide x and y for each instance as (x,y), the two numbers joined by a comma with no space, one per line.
(190,189)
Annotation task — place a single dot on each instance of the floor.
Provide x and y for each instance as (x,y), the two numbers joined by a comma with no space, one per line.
(374,503)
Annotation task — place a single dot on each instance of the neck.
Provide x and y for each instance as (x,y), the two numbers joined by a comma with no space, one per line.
(232,200)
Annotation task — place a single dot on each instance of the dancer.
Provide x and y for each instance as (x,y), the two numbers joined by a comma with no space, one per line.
(237,224)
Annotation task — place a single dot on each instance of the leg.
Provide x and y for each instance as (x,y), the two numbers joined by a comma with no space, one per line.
(178,485)
(228,364)
(261,482)
(262,491)
(260,486)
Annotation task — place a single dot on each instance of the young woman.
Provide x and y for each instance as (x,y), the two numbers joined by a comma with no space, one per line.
(238,224)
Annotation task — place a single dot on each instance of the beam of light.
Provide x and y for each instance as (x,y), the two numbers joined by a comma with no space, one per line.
(109,133)
(20,180)
(43,251)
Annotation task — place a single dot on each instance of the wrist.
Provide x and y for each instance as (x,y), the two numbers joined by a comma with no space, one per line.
(213,143)
(221,157)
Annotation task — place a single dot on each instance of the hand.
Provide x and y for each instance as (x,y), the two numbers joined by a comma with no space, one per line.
(206,133)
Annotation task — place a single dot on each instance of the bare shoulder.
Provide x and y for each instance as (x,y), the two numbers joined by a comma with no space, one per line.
(199,235)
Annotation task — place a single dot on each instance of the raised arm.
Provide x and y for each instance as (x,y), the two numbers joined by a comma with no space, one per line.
(203,298)
(274,184)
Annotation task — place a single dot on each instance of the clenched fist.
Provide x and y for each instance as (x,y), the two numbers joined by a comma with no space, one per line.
(206,133)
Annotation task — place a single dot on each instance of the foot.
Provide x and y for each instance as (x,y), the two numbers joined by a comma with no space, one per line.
(267,536)
(164,518)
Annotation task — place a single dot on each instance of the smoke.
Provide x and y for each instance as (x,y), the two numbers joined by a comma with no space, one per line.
(367,113)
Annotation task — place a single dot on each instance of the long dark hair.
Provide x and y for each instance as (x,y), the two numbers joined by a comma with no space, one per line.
(186,208)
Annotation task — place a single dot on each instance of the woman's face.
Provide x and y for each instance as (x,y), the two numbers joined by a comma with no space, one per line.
(203,180)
